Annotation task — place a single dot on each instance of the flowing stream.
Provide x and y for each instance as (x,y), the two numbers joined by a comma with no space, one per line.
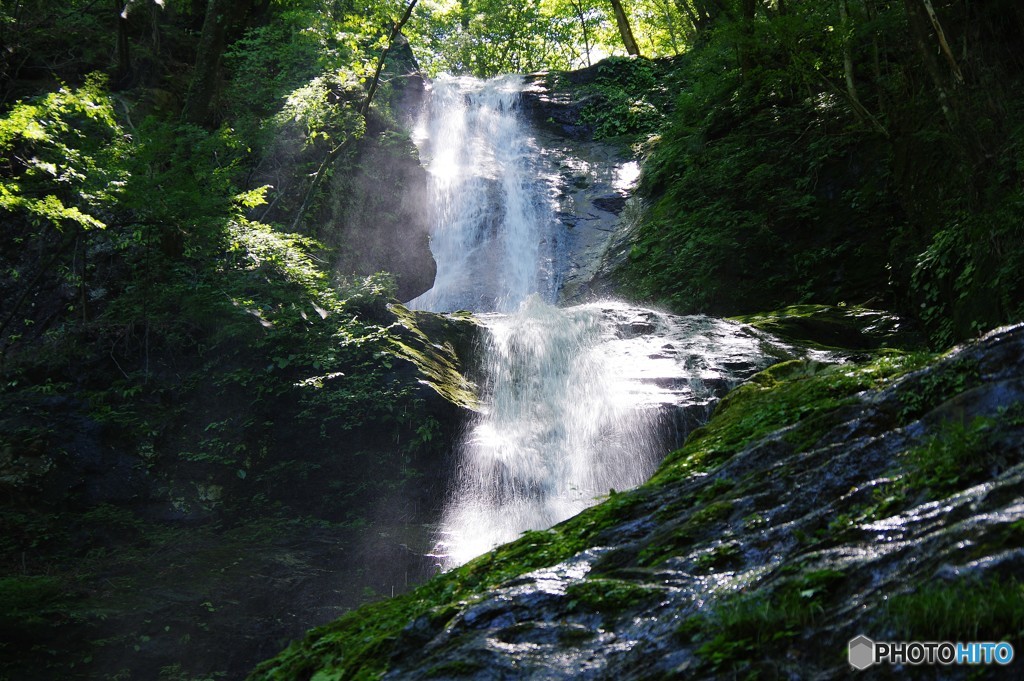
(577,401)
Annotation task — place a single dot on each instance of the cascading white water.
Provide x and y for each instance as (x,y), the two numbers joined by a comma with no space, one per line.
(571,398)
(557,430)
(490,213)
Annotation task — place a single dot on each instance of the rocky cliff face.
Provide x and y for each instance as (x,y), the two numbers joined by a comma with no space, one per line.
(592,183)
(879,496)
(377,214)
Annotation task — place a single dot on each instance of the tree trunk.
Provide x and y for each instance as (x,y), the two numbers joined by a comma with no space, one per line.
(123,75)
(208,56)
(941,35)
(624,30)
(919,32)
(578,6)
(851,83)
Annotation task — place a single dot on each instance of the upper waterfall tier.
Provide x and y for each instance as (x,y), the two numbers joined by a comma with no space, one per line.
(492,213)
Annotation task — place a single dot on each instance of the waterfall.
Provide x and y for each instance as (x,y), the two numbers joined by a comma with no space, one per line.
(556,433)
(490,211)
(576,401)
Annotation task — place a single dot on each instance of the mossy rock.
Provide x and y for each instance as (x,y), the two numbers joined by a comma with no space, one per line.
(842,327)
(753,547)
(29,602)
(438,346)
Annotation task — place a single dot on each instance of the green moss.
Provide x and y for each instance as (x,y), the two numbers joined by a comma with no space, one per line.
(718,510)
(438,363)
(680,529)
(717,487)
(672,542)
(801,396)
(722,556)
(28,601)
(609,596)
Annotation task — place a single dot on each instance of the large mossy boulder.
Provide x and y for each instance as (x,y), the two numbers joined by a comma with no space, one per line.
(838,327)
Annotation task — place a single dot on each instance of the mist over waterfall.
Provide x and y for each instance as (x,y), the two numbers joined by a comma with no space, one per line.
(577,401)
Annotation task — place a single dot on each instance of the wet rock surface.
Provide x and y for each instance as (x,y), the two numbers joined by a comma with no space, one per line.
(591,183)
(822,501)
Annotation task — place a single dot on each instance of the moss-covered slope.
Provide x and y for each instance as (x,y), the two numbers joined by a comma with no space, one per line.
(820,502)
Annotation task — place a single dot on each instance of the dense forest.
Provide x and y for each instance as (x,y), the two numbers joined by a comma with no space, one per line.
(209,209)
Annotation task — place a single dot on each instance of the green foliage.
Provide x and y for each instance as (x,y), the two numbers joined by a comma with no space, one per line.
(269,61)
(483,37)
(743,168)
(487,37)
(957,454)
(59,152)
(41,37)
(966,276)
(799,167)
(963,610)
(932,389)
(325,106)
(629,98)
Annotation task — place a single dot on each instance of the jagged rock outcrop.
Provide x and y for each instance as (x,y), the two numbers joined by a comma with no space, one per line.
(881,496)
(377,215)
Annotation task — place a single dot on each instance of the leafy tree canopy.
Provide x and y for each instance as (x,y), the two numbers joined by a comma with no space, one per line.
(487,37)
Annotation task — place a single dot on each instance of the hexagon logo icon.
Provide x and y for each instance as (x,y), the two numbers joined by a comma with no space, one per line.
(862,652)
